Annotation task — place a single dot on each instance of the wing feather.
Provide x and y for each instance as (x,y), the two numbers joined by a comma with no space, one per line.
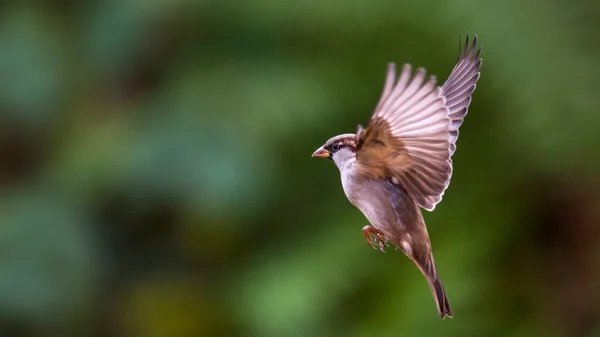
(460,85)
(407,137)
(412,133)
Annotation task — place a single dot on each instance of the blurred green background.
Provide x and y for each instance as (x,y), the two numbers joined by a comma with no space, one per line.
(156,178)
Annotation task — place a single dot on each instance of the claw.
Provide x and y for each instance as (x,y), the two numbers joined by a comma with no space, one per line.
(375,238)
(367,234)
(382,246)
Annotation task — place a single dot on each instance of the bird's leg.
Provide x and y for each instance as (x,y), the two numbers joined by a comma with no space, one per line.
(375,238)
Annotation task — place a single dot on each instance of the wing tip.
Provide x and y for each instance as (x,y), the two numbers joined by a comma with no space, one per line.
(391,69)
(469,49)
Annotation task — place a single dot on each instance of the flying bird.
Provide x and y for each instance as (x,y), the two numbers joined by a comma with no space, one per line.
(402,161)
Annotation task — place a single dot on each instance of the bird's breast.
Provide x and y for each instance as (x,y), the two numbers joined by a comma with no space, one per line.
(368,196)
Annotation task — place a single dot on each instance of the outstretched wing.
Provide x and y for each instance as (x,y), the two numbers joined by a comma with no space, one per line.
(412,133)
(407,138)
(460,85)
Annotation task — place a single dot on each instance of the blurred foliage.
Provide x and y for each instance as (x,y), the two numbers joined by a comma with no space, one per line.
(156,177)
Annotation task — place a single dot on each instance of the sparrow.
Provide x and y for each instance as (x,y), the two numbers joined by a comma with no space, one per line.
(402,161)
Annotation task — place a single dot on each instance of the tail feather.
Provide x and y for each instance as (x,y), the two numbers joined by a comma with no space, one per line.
(439,294)
(435,284)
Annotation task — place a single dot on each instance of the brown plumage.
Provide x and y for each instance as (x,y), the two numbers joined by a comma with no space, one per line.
(403,159)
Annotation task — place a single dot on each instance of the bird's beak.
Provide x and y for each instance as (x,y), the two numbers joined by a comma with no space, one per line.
(321,153)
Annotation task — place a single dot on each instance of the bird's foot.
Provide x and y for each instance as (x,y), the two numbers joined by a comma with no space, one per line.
(375,238)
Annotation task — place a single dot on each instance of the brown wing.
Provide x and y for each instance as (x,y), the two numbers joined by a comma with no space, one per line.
(408,136)
(412,134)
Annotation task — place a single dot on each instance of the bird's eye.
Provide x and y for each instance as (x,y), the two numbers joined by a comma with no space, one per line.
(335,147)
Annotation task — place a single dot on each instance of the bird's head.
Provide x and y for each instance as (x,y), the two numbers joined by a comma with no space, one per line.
(340,149)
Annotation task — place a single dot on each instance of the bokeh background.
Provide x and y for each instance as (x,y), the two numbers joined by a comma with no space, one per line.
(156,178)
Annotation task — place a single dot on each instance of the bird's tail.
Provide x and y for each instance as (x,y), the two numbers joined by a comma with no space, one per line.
(437,289)
(427,267)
